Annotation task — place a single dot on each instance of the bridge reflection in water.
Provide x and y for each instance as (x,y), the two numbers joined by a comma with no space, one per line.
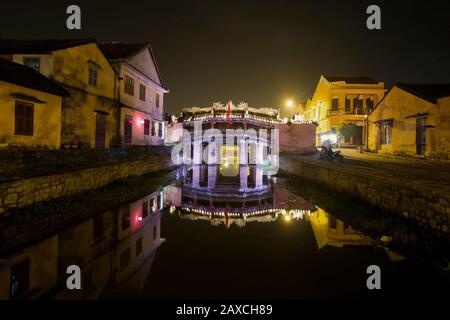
(117,249)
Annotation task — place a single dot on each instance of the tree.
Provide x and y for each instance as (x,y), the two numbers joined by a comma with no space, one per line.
(346,130)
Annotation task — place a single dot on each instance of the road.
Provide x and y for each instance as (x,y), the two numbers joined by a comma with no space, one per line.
(421,174)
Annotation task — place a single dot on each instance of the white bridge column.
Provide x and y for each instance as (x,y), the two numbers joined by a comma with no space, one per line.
(243,152)
(195,176)
(212,176)
(258,177)
(260,153)
(198,152)
(243,185)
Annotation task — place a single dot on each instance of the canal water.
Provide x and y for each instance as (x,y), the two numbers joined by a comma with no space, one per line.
(218,233)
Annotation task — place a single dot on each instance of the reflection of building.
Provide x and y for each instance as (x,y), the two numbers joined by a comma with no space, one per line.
(412,119)
(31,272)
(330,231)
(209,194)
(333,232)
(343,100)
(114,250)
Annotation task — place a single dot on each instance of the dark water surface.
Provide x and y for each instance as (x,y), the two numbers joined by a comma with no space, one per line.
(211,235)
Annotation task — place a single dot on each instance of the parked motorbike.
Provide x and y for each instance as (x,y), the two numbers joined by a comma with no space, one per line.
(328,154)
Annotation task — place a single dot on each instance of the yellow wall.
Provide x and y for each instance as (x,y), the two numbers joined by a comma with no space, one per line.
(399,104)
(71,68)
(47,118)
(317,108)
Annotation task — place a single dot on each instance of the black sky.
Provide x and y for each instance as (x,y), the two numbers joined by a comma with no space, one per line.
(258,51)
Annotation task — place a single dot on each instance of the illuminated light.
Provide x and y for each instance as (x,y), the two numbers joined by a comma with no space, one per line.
(287,218)
(142,122)
(289,103)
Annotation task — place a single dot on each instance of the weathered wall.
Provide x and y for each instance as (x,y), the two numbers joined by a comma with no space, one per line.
(297,137)
(26,192)
(47,118)
(71,68)
(398,105)
(423,206)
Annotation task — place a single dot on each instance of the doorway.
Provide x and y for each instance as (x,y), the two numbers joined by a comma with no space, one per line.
(100,130)
(128,130)
(420,136)
(357,138)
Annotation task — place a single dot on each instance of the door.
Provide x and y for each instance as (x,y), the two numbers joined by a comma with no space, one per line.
(357,138)
(128,130)
(100,130)
(420,136)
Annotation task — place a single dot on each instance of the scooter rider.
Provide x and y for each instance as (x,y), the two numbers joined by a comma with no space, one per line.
(326,146)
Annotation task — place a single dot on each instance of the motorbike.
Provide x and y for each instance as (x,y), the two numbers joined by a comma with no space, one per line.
(328,154)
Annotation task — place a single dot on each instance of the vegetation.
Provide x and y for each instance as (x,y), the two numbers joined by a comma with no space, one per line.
(346,130)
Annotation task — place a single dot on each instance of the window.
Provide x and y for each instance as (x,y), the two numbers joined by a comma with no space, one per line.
(93,75)
(124,259)
(129,85)
(142,92)
(313,113)
(357,106)
(347,104)
(157,100)
(24,118)
(155,233)
(97,226)
(146,127)
(369,104)
(158,202)
(334,104)
(144,210)
(33,62)
(20,278)
(386,132)
(153,205)
(125,219)
(138,246)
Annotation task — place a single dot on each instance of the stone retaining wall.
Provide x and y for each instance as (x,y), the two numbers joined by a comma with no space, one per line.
(29,191)
(423,206)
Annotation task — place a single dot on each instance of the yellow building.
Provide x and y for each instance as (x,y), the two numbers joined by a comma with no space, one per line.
(330,231)
(412,119)
(339,100)
(90,115)
(30,107)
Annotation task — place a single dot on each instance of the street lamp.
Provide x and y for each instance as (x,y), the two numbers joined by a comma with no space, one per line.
(289,103)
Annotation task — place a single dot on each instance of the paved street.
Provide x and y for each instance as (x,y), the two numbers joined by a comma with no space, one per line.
(421,174)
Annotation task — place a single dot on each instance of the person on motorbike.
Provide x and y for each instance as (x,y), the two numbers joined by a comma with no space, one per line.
(326,146)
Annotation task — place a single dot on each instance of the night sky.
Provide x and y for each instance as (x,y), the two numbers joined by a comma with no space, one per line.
(258,51)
